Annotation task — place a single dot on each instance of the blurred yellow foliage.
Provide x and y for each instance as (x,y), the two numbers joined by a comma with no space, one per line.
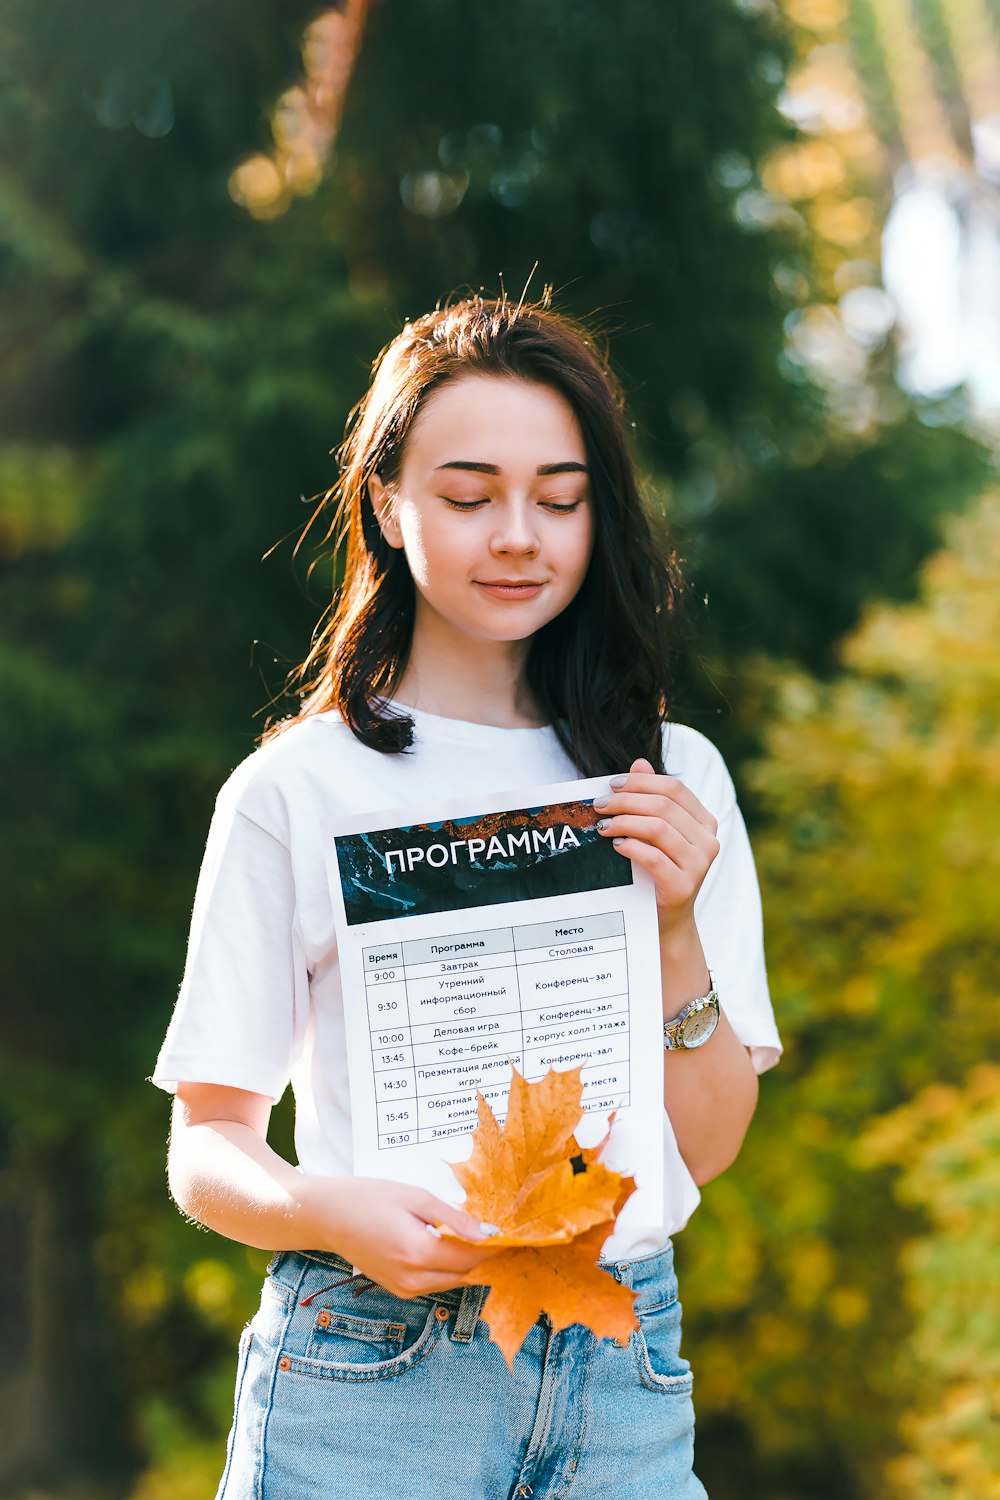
(211,1286)
(804,169)
(40,495)
(191,1474)
(946,1142)
(144,1293)
(848,224)
(849,1306)
(868,1194)
(816,15)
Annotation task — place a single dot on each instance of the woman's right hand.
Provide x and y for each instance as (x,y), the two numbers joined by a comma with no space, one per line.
(386,1230)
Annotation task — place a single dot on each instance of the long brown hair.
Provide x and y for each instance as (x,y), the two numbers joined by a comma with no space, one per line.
(601,669)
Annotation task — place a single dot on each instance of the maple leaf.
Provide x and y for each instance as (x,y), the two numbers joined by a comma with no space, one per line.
(554,1203)
(522,1178)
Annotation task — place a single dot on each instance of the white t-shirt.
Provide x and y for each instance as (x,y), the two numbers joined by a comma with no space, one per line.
(260,1003)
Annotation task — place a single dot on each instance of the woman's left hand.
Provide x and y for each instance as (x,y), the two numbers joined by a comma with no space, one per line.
(658,823)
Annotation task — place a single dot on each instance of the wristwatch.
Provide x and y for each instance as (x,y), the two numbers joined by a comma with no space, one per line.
(695,1024)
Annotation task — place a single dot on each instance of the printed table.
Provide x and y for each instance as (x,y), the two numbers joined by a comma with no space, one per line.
(449,1015)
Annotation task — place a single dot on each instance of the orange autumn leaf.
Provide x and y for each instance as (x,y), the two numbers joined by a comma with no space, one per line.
(554,1203)
(523,1178)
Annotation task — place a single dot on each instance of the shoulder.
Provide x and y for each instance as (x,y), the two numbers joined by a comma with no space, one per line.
(692,758)
(266,785)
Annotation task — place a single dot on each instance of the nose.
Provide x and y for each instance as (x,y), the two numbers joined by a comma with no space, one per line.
(515,532)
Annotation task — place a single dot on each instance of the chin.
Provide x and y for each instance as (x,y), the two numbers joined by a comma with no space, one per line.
(513,630)
(503,624)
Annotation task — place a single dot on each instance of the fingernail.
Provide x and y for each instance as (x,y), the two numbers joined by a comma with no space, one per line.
(489,1229)
(616,842)
(617,781)
(603,823)
(600,802)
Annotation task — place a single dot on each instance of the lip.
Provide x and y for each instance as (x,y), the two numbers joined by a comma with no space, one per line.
(510,588)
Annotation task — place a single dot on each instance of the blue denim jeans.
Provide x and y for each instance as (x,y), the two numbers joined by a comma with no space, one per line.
(398,1398)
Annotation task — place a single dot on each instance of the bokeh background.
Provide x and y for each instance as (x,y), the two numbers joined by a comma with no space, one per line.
(784,217)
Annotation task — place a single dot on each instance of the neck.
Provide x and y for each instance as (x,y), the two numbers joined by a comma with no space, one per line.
(458,678)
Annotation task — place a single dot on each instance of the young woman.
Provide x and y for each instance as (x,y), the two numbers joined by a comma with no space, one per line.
(503,621)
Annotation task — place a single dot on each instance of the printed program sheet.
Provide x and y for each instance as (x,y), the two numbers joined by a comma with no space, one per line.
(474,937)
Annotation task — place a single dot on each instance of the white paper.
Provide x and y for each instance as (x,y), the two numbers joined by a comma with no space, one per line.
(481,933)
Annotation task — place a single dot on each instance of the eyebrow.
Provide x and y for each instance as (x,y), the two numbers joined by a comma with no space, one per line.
(568,467)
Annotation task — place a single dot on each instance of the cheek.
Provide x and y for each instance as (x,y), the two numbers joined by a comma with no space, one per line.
(579,550)
(431,550)
(414,534)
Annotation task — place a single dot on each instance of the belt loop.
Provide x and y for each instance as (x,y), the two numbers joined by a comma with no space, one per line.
(469,1309)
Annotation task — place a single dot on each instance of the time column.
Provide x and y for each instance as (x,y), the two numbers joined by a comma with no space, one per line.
(392,1045)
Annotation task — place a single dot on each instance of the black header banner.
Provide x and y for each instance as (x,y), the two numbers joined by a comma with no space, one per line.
(497,857)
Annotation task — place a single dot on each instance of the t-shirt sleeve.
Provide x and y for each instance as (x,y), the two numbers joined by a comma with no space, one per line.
(730,924)
(243,1002)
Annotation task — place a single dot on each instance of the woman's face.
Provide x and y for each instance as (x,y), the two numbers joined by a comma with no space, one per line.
(493,507)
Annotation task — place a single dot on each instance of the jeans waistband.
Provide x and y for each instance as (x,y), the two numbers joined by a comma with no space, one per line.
(638,1267)
(468,1300)
(636,1273)
(639,1270)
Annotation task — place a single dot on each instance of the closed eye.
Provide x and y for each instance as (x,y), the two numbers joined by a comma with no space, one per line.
(558,507)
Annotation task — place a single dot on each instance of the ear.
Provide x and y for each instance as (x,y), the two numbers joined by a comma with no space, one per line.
(385,511)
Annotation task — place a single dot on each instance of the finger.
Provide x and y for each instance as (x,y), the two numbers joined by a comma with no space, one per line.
(445,1263)
(664,786)
(425,1284)
(673,881)
(661,809)
(676,867)
(656,833)
(453,1257)
(436,1213)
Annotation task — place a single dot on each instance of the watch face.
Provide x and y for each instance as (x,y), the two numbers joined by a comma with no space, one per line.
(699,1026)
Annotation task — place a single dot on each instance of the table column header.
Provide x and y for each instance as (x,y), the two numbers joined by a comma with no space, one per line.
(570,930)
(461,945)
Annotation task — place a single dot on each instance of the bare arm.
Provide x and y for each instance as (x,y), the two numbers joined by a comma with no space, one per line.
(222,1172)
(710,1093)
